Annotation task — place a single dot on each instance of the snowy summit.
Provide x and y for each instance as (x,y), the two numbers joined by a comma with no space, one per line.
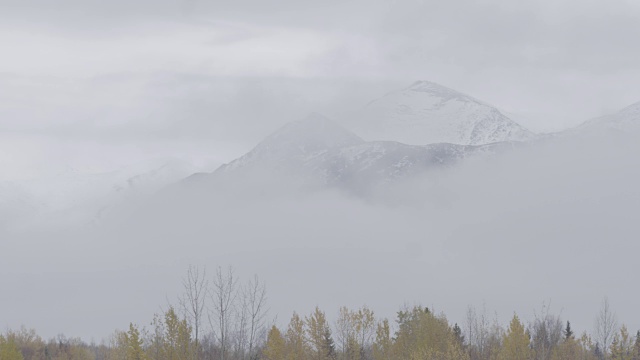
(426,113)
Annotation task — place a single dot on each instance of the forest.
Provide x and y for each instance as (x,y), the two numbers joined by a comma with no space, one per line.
(219,317)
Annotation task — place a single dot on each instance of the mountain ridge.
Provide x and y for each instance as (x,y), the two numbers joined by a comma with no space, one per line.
(348,162)
(426,112)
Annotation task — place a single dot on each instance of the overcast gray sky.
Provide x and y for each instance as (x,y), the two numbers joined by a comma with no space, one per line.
(557,62)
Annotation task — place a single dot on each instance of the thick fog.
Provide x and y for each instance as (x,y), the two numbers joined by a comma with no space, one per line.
(142,95)
(552,222)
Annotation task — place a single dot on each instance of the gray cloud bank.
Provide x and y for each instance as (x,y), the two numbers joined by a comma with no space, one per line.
(557,62)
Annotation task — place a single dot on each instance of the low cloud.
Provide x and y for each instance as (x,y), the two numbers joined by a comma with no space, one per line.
(552,221)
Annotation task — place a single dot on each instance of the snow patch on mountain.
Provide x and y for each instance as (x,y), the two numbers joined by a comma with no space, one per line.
(426,113)
(318,151)
(627,119)
(297,142)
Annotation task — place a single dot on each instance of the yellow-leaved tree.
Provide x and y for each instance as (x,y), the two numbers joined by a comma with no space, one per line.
(295,339)
(622,346)
(319,336)
(134,344)
(177,339)
(9,350)
(382,345)
(275,347)
(515,344)
(423,335)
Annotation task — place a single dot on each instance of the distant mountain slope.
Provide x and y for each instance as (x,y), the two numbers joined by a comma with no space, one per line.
(296,143)
(319,151)
(627,119)
(426,113)
(73,198)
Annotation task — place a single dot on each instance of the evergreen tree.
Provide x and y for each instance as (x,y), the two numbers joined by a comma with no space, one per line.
(329,347)
(568,333)
(457,332)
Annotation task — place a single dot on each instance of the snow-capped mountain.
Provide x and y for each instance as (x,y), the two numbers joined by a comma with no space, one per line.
(627,119)
(297,143)
(318,150)
(426,113)
(73,197)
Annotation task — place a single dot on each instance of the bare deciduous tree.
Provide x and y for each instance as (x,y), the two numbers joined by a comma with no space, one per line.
(223,295)
(478,331)
(255,299)
(606,326)
(346,333)
(546,332)
(365,326)
(240,328)
(193,300)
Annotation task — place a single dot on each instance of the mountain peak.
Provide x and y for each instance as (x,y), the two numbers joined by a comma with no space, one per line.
(441,91)
(298,140)
(426,113)
(425,85)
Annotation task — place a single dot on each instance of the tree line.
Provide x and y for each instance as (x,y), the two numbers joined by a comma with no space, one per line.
(219,317)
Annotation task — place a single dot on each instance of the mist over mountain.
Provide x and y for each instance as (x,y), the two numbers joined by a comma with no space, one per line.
(485,217)
(73,199)
(426,113)
(315,151)
(381,222)
(625,120)
(319,152)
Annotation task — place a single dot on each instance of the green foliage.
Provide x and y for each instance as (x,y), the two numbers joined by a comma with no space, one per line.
(568,333)
(457,332)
